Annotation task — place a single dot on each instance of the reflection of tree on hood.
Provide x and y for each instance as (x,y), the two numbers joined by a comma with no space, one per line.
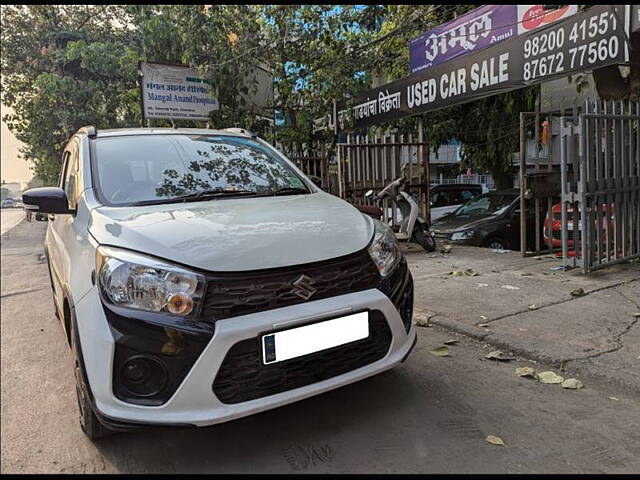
(226,166)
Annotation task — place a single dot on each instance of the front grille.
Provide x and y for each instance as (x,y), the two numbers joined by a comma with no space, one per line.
(442,237)
(241,293)
(243,376)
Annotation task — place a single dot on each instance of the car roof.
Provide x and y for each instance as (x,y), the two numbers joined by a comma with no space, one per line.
(115,132)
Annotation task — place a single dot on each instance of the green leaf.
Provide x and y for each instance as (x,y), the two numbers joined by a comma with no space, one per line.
(440,351)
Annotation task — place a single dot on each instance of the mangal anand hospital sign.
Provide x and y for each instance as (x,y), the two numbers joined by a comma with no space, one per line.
(175,92)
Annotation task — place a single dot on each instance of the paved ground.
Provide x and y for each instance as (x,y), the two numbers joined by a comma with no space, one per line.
(525,305)
(9,218)
(429,415)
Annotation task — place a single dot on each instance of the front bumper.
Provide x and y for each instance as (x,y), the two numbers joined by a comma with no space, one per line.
(194,402)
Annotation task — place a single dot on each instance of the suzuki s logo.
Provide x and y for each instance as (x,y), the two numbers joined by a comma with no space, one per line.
(303,287)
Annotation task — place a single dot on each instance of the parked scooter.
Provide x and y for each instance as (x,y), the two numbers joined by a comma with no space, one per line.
(412,227)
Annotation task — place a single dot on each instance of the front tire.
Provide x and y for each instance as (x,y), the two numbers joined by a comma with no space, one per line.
(422,236)
(495,243)
(89,422)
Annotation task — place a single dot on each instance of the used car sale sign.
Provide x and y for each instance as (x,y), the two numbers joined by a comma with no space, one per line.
(591,39)
(175,92)
(481,28)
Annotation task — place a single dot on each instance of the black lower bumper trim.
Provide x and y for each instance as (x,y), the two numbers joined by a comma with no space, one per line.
(415,340)
(128,426)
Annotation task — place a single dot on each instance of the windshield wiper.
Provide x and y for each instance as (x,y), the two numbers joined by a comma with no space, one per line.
(215,192)
(211,193)
(289,191)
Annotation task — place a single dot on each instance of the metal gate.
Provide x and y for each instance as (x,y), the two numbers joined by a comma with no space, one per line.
(600,169)
(370,162)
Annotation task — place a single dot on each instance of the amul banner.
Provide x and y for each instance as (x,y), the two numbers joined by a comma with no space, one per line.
(588,40)
(479,29)
(175,92)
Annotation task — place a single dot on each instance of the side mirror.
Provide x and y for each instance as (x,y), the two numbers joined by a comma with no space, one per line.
(368,194)
(46,200)
(317,181)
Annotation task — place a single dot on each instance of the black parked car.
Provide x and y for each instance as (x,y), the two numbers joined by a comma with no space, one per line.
(488,220)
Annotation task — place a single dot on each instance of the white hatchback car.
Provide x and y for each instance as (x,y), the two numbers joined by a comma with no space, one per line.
(201,277)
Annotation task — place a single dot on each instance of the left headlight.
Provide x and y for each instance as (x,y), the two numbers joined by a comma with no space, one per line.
(384,249)
(131,280)
(463,235)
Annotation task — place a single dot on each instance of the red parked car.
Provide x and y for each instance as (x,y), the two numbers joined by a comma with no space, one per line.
(556,224)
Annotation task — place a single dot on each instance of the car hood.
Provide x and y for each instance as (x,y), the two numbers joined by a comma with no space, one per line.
(452,223)
(238,234)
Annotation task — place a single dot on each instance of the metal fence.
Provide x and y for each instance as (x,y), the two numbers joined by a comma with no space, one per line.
(371,162)
(600,214)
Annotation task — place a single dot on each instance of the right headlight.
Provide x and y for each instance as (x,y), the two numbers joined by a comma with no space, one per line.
(463,235)
(131,280)
(384,249)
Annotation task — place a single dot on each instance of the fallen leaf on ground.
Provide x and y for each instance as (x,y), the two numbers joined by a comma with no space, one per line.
(525,372)
(485,325)
(637,314)
(549,377)
(451,342)
(578,292)
(470,273)
(526,274)
(614,398)
(483,317)
(445,249)
(499,355)
(441,352)
(510,287)
(493,440)
(532,306)
(572,383)
(480,285)
(455,272)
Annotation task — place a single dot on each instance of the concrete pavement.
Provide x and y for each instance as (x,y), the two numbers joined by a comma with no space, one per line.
(429,415)
(525,305)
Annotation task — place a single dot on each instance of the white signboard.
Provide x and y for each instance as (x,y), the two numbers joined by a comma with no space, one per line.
(176,92)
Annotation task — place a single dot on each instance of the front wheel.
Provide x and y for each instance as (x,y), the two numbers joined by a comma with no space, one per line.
(89,423)
(422,236)
(495,243)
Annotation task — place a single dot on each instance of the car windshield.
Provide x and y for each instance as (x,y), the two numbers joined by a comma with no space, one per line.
(485,204)
(147,169)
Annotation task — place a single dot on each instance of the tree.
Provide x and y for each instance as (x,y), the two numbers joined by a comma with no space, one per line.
(63,67)
(313,49)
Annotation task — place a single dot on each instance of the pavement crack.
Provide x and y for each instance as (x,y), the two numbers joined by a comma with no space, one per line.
(20,292)
(617,339)
(558,302)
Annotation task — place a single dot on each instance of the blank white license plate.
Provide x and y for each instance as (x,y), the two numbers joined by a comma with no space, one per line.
(296,342)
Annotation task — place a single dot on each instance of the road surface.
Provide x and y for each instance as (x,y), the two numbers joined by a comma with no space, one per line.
(9,218)
(429,415)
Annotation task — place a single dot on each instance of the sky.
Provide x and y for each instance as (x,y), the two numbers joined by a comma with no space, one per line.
(12,168)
